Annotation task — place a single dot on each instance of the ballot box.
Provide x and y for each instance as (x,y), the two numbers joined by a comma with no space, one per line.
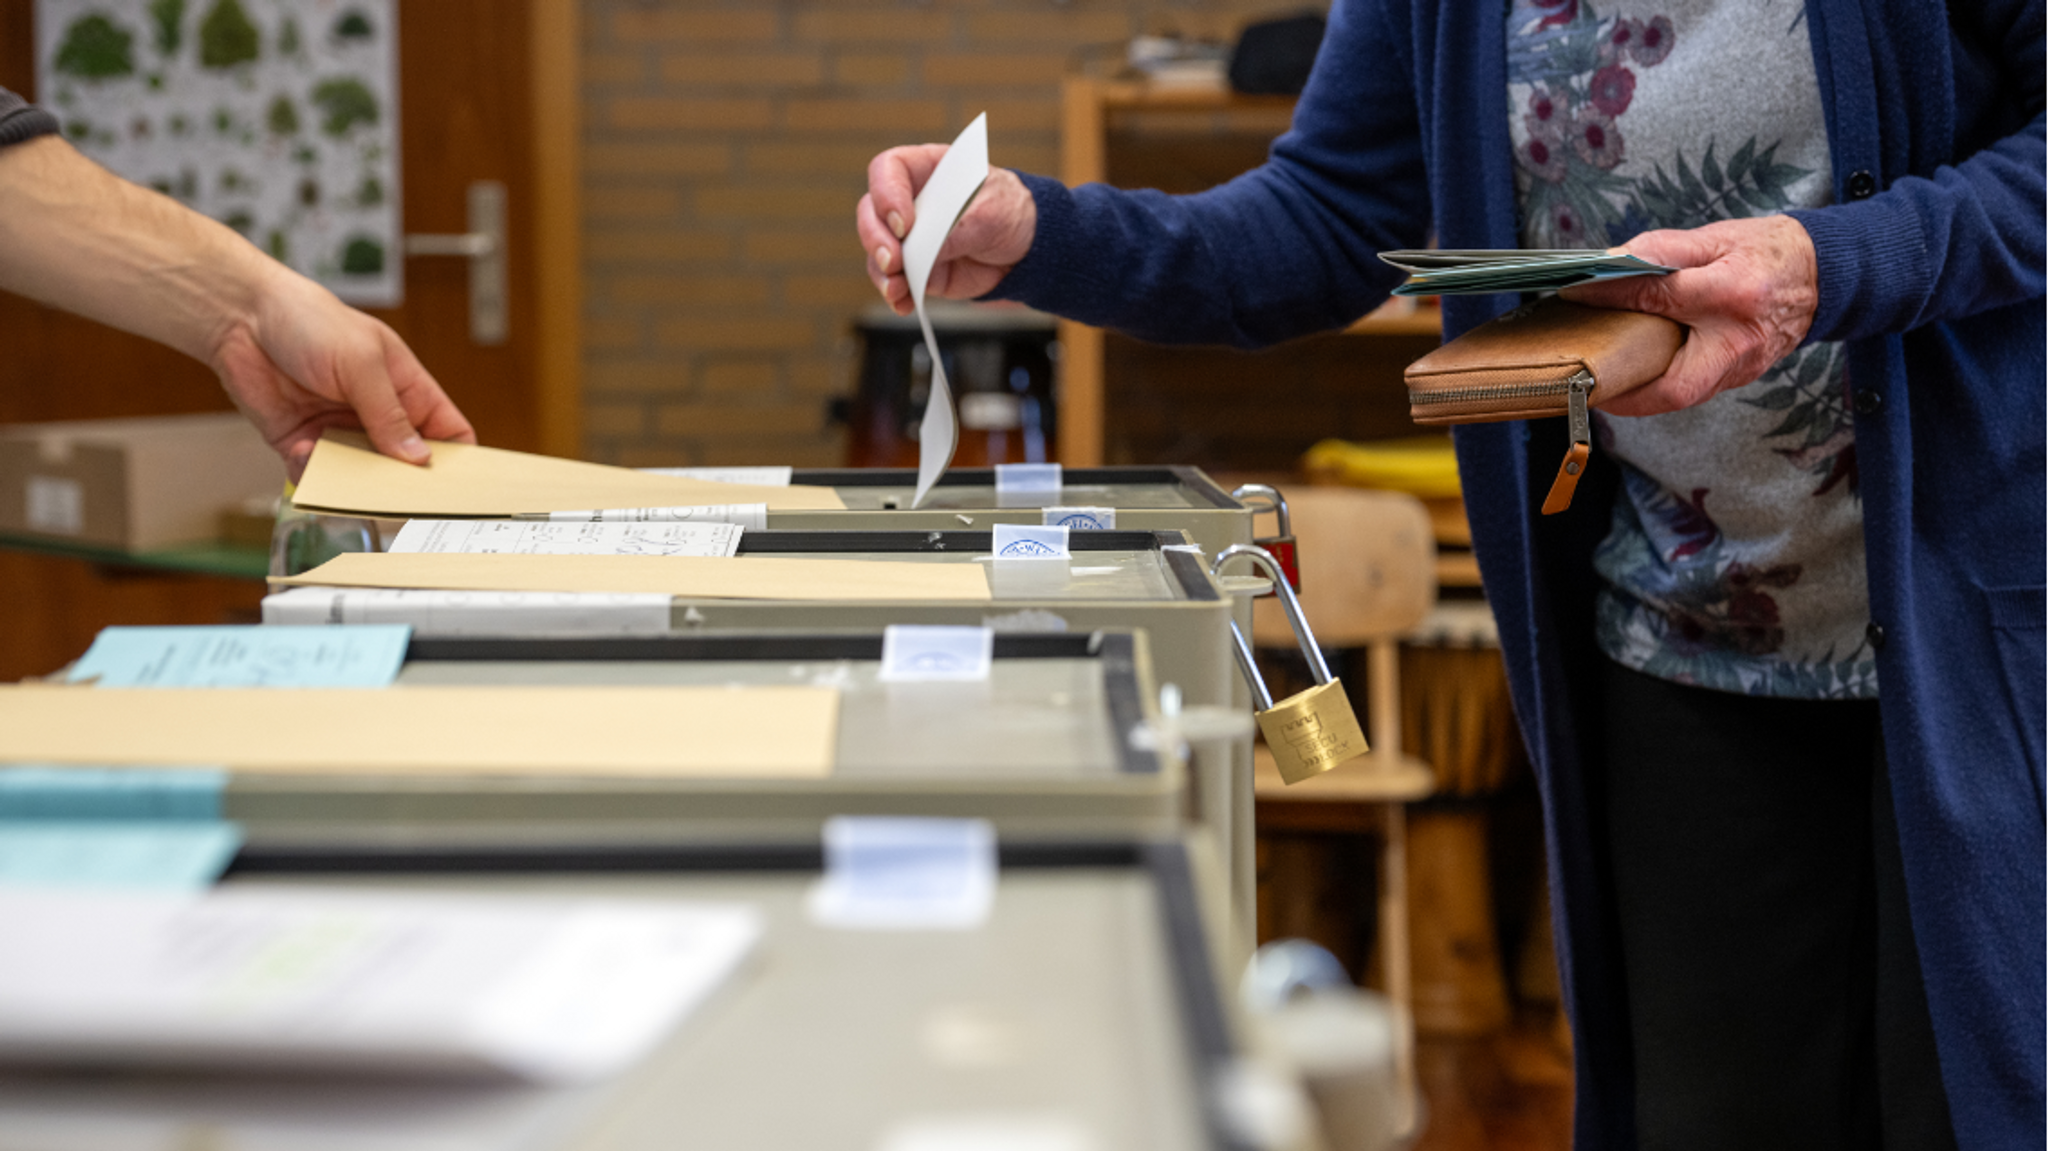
(1156,580)
(641,740)
(879,499)
(1082,1010)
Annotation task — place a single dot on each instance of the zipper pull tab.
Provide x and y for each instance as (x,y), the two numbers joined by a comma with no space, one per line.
(1577,389)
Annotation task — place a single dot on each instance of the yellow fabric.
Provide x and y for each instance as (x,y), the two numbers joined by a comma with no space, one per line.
(1422,466)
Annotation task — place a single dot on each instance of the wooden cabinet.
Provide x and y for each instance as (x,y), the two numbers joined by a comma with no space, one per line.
(1134,134)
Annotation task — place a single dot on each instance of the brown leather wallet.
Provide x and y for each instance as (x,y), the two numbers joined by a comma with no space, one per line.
(1549,358)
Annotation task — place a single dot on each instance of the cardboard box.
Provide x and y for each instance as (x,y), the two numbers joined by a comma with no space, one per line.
(134,484)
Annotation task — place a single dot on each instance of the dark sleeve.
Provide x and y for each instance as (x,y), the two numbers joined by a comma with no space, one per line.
(1286,249)
(21,120)
(1966,237)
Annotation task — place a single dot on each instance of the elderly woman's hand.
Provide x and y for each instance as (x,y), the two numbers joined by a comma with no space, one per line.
(991,236)
(1746,289)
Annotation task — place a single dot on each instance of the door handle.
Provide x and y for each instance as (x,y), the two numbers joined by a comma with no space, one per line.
(484,247)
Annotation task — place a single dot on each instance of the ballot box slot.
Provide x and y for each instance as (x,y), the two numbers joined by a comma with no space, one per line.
(1192,481)
(493,859)
(962,542)
(1113,648)
(1182,562)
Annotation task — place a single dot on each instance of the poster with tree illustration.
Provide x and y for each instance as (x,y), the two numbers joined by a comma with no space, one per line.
(278,118)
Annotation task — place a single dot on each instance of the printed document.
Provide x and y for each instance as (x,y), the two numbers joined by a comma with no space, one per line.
(534,538)
(243,656)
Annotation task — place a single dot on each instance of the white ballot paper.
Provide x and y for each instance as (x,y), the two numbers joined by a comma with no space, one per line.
(546,989)
(531,538)
(946,195)
(475,612)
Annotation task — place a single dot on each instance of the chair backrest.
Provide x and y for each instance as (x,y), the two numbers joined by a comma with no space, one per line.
(1368,567)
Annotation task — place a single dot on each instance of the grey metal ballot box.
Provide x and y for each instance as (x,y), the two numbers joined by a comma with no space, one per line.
(1087,1003)
(1175,498)
(878,499)
(1043,747)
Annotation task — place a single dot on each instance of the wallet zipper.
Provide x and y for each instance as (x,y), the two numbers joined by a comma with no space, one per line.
(1540,391)
(1580,423)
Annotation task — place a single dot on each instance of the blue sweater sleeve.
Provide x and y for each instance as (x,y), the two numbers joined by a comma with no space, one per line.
(1284,250)
(1964,237)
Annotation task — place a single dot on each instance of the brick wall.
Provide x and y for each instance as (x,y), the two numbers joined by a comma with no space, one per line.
(725,147)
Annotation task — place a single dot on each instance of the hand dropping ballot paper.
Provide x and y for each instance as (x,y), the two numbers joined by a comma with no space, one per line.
(960,174)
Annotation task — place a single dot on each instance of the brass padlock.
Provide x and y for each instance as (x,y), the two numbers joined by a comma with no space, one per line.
(1311,731)
(1281,543)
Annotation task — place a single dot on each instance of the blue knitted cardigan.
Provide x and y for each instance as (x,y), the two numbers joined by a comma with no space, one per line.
(1931,268)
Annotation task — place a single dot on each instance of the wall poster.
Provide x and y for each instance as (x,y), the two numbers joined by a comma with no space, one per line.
(277,117)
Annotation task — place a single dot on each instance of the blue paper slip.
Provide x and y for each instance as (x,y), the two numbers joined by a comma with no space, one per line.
(1081,519)
(364,656)
(1463,272)
(180,856)
(902,873)
(34,792)
(913,653)
(1030,542)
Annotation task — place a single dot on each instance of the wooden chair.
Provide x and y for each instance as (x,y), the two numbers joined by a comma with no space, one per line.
(1368,577)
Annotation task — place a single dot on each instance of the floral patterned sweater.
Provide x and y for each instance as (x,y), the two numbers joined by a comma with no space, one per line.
(1735,557)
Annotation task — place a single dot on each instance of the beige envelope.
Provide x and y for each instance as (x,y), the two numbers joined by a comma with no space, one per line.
(346,475)
(711,732)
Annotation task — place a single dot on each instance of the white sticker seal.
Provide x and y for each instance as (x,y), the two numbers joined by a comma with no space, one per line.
(1034,478)
(1082,519)
(887,873)
(1030,542)
(914,653)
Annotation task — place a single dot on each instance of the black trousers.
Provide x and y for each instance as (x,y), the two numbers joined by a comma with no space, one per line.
(1774,992)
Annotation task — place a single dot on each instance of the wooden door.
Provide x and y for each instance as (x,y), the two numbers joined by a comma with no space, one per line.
(488,92)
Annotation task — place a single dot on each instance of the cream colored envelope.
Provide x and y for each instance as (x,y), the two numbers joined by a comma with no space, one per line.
(346,475)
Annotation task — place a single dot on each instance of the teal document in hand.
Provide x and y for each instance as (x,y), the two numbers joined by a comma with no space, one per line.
(367,655)
(1484,271)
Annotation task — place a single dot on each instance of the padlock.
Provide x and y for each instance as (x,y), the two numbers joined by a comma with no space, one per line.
(1280,544)
(1311,731)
